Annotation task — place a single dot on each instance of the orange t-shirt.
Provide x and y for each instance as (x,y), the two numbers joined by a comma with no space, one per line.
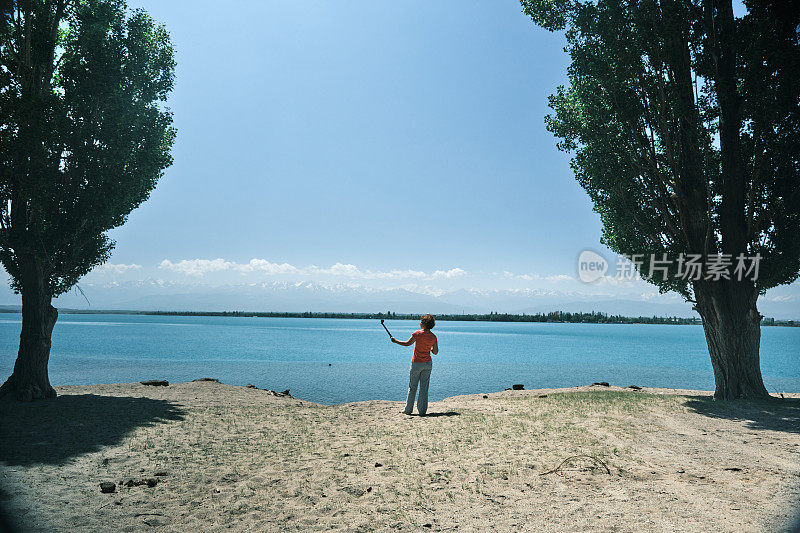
(424,341)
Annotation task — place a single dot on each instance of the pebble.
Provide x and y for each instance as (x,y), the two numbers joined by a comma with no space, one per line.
(155,382)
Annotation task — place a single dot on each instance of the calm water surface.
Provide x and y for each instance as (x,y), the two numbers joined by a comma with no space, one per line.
(474,357)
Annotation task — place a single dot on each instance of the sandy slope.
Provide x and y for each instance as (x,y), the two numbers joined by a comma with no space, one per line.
(242,459)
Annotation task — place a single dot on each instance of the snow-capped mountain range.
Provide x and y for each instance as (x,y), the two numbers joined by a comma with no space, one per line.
(161,295)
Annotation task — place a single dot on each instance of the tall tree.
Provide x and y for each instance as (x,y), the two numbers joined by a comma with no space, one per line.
(84,138)
(684,122)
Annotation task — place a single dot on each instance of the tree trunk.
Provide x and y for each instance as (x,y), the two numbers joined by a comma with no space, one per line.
(30,380)
(732,326)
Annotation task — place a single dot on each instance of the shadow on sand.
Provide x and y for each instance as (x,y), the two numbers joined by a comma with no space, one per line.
(430,415)
(777,414)
(54,431)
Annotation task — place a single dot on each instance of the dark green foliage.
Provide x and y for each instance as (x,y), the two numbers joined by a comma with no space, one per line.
(653,86)
(84,136)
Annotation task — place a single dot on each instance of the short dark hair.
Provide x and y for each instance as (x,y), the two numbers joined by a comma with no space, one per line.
(428,321)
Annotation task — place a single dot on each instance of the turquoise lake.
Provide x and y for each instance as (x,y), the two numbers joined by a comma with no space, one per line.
(474,357)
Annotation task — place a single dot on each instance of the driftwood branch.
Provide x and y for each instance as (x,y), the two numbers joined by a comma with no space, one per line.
(596,460)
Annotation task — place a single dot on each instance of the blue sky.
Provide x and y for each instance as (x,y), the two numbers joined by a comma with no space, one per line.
(389,144)
(388,135)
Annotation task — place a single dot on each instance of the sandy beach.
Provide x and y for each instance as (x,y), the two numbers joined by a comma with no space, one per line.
(205,456)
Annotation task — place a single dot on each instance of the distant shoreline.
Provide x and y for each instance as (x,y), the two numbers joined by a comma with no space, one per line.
(557,317)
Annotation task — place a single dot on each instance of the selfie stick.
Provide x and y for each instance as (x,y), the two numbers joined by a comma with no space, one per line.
(384,327)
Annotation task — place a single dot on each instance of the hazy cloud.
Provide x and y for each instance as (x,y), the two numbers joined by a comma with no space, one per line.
(558,278)
(119,268)
(525,277)
(262,265)
(449,274)
(200,267)
(196,267)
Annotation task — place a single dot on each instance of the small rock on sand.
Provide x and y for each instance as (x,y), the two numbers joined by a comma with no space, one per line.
(518,386)
(283,393)
(601,383)
(543,396)
(150,482)
(155,382)
(354,491)
(215,380)
(251,386)
(107,487)
(634,387)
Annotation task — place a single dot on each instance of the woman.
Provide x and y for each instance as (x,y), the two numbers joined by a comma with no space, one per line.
(425,343)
